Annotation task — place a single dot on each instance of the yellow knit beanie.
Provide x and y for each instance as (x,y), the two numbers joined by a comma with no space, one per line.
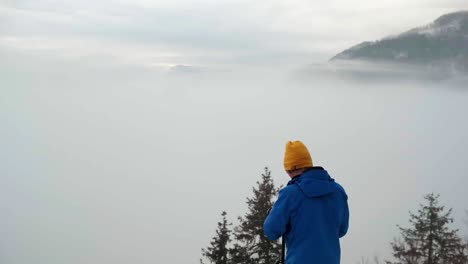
(296,156)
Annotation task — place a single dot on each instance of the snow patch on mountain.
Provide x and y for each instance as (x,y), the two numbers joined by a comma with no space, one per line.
(446,24)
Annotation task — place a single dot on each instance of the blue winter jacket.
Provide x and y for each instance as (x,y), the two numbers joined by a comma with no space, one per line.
(312,213)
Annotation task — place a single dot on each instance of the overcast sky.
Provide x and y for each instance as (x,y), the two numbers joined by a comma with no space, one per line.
(218,34)
(113,151)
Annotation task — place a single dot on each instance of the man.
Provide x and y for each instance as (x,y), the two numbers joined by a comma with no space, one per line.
(311,212)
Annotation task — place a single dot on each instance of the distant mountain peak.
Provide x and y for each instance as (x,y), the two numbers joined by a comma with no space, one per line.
(443,41)
(453,23)
(451,18)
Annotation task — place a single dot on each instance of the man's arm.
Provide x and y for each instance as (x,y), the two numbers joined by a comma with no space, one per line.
(345,221)
(277,220)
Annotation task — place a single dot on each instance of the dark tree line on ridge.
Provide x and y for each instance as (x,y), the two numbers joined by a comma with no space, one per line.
(429,239)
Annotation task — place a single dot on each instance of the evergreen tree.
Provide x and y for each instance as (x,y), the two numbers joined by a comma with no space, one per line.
(429,240)
(239,254)
(218,252)
(251,244)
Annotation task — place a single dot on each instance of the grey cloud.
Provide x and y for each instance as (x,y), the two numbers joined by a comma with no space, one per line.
(229,32)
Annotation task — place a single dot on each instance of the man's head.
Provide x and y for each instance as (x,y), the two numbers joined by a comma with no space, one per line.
(296,158)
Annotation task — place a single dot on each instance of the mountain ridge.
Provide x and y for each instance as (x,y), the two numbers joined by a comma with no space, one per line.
(442,42)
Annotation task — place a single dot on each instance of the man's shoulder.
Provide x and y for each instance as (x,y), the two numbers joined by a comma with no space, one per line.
(290,189)
(341,190)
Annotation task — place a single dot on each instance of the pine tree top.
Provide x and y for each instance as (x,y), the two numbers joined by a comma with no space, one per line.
(429,239)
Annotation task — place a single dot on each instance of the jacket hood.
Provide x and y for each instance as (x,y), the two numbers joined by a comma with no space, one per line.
(315,182)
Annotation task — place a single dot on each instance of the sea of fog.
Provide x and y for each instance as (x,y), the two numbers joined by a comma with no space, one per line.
(119,166)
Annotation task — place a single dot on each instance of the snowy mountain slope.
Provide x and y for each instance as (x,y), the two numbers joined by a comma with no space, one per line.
(443,42)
